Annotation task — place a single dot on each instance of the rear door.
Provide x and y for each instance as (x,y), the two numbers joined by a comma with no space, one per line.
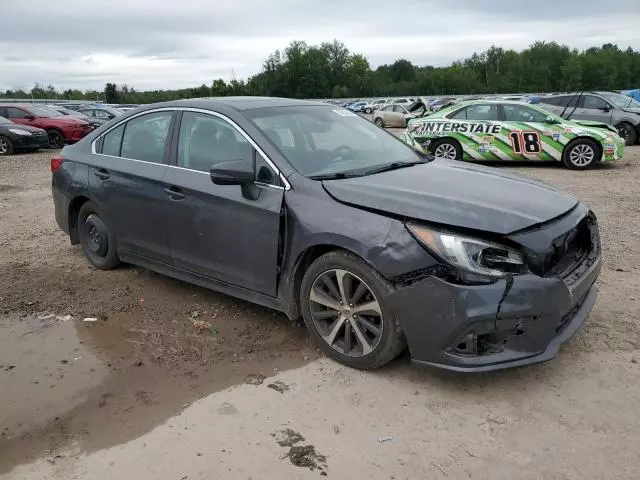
(478,130)
(127,183)
(226,232)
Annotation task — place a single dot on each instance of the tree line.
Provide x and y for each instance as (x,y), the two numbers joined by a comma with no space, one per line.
(330,70)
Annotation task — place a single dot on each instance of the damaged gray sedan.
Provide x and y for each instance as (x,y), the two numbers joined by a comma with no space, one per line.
(311,210)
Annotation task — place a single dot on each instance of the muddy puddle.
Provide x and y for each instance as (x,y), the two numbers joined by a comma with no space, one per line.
(67,384)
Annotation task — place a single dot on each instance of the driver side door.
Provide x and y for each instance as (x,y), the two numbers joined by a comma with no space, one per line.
(530,136)
(229,233)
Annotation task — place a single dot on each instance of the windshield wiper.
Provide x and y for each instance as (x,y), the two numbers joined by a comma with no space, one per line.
(394,166)
(334,176)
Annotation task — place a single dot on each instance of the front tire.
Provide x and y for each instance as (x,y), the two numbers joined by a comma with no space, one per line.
(6,146)
(581,154)
(343,303)
(97,240)
(628,133)
(379,122)
(447,148)
(56,139)
(368,111)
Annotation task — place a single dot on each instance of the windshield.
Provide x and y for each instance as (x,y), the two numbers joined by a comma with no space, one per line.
(620,101)
(4,120)
(320,140)
(42,111)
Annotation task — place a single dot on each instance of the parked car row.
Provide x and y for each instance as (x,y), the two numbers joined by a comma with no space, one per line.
(28,127)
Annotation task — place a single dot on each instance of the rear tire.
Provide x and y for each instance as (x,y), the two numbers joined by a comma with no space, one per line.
(97,240)
(368,111)
(379,122)
(6,146)
(581,154)
(56,139)
(447,148)
(628,133)
(361,332)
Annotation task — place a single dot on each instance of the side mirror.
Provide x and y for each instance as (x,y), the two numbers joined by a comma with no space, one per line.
(606,108)
(29,117)
(235,172)
(550,120)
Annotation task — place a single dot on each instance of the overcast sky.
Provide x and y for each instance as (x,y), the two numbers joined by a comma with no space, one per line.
(181,43)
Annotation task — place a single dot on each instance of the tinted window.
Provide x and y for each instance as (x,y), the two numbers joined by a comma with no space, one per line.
(553,100)
(13,112)
(206,140)
(477,112)
(101,114)
(591,101)
(399,109)
(264,173)
(519,113)
(145,137)
(112,141)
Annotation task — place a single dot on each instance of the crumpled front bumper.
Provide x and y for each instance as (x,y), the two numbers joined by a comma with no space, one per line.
(512,322)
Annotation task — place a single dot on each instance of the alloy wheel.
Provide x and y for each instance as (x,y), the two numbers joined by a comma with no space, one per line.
(582,155)
(4,146)
(446,150)
(346,312)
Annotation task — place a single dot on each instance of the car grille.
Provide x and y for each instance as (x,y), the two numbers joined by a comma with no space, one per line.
(577,248)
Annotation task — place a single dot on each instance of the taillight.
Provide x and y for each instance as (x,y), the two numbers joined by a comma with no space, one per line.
(56,163)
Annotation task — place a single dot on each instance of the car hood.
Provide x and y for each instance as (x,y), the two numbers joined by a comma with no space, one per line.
(632,110)
(456,194)
(28,128)
(594,124)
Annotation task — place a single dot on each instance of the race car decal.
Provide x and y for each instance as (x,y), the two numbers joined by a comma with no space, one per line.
(508,140)
(457,127)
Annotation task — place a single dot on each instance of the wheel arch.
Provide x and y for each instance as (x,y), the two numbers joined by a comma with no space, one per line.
(74,209)
(438,140)
(300,266)
(597,141)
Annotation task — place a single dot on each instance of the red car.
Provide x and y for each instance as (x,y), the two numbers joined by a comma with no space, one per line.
(60,128)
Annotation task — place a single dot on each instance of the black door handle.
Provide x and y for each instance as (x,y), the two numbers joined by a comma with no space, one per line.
(102,174)
(174,193)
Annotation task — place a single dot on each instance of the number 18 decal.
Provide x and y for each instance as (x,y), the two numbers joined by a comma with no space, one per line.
(525,142)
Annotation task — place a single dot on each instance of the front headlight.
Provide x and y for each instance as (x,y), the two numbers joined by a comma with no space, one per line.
(19,131)
(471,254)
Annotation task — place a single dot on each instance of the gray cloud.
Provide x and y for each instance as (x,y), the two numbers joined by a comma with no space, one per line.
(161,44)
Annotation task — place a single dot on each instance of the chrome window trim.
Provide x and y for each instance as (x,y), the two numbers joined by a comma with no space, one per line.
(287,185)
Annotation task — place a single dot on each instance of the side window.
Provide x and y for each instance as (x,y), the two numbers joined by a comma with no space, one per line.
(569,101)
(206,140)
(112,141)
(591,101)
(399,109)
(388,108)
(482,112)
(3,112)
(264,173)
(145,137)
(519,113)
(459,115)
(13,112)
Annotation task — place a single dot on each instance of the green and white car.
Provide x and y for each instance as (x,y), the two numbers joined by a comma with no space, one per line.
(502,130)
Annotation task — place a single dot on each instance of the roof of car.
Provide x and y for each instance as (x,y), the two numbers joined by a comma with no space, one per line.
(240,103)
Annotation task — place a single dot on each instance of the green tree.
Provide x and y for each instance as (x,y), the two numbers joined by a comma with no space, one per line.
(111,93)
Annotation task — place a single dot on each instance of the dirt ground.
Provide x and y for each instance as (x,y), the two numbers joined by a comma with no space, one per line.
(91,360)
